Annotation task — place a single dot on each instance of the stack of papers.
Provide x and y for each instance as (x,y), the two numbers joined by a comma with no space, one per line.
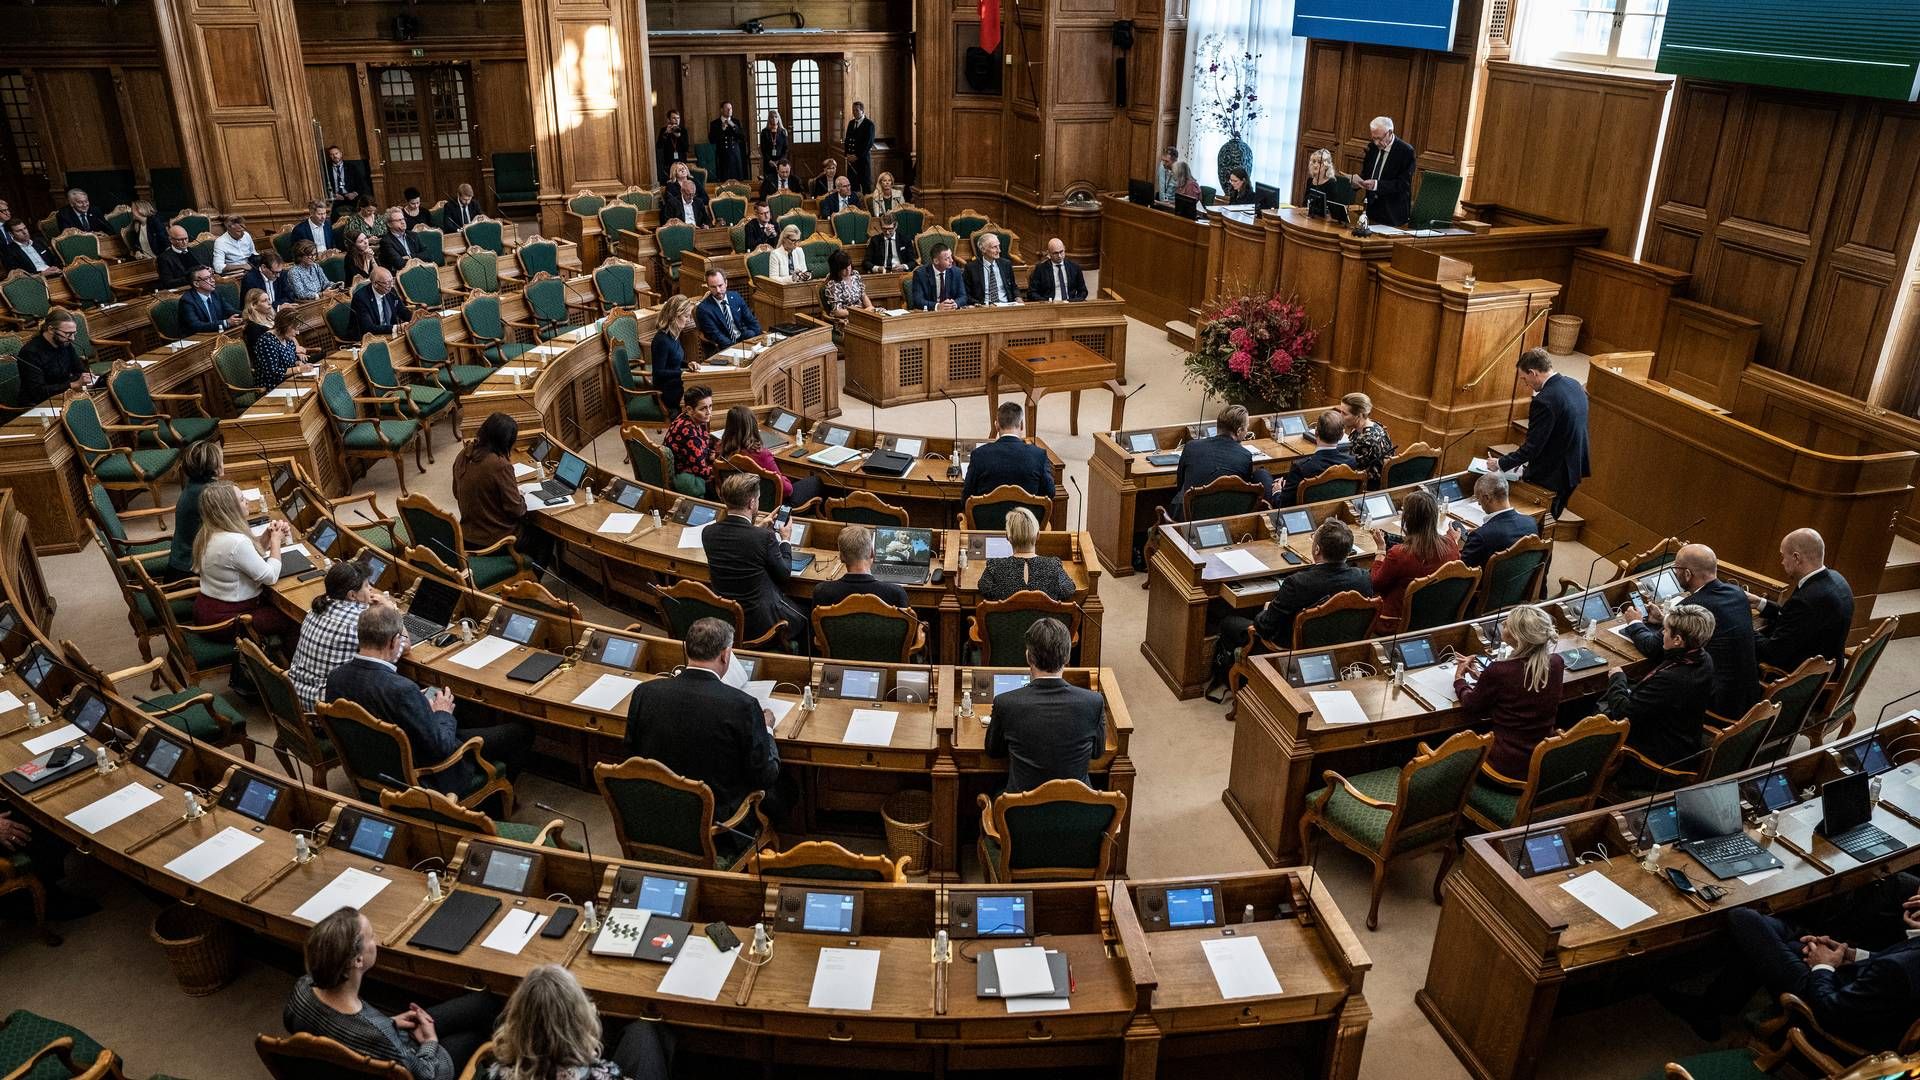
(546,350)
(700,969)
(834,455)
(517,371)
(620,932)
(1241,562)
(288,392)
(44,412)
(9,701)
(1435,684)
(1240,967)
(690,536)
(1479,468)
(521,472)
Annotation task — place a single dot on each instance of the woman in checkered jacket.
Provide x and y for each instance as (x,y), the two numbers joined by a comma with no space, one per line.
(331,635)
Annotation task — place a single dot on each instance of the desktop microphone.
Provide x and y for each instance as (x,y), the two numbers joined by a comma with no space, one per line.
(1875,730)
(1079,505)
(566,587)
(585,838)
(443,851)
(1595,565)
(1646,813)
(954,472)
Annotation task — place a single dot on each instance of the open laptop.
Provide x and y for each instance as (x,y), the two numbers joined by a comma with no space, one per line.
(566,479)
(1847,806)
(1710,831)
(432,608)
(901,556)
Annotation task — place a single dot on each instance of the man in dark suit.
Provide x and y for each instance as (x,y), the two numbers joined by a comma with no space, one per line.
(266,276)
(378,308)
(1736,675)
(1224,453)
(856,554)
(372,681)
(396,245)
(176,264)
(760,230)
(990,276)
(750,564)
(886,249)
(80,214)
(1501,526)
(860,137)
(23,252)
(939,285)
(685,202)
(1555,453)
(1667,707)
(1386,175)
(724,318)
(670,146)
(345,180)
(1047,729)
(841,199)
(203,308)
(1816,616)
(1329,449)
(705,730)
(1058,278)
(779,179)
(1008,459)
(729,145)
(48,365)
(460,211)
(317,228)
(1307,587)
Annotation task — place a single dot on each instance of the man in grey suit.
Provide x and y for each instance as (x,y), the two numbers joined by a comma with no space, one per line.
(1047,730)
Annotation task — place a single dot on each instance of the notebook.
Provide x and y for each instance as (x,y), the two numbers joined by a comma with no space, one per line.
(457,923)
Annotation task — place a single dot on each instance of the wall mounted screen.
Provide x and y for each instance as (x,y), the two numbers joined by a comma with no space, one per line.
(1414,24)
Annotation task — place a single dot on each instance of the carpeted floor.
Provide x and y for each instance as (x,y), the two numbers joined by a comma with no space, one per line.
(112,980)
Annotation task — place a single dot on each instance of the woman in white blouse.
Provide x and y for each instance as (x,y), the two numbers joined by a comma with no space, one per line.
(789,261)
(235,567)
(884,199)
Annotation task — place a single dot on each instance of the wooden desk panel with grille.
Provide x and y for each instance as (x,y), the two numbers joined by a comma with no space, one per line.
(896,359)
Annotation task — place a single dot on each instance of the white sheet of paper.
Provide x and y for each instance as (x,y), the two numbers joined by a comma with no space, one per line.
(735,675)
(353,888)
(844,979)
(43,412)
(250,494)
(871,727)
(214,854)
(690,536)
(1242,562)
(1240,967)
(1023,972)
(59,736)
(699,970)
(1435,684)
(1038,1004)
(1469,511)
(1607,900)
(1338,707)
(520,470)
(514,931)
(108,810)
(10,701)
(1479,468)
(1797,823)
(284,392)
(779,707)
(608,692)
(520,371)
(759,688)
(619,524)
(546,350)
(1760,875)
(482,652)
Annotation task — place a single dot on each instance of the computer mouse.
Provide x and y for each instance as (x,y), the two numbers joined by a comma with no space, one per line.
(939,574)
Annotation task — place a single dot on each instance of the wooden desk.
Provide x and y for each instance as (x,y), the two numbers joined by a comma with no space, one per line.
(893,359)
(1155,259)
(776,302)
(1056,365)
(931,498)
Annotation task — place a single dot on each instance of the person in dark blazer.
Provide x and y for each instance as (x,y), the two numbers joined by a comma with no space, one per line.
(823,185)
(23,251)
(724,318)
(1224,453)
(48,365)
(80,214)
(1667,707)
(759,230)
(397,246)
(1240,191)
(1057,278)
(1555,453)
(750,564)
(371,681)
(1501,526)
(998,287)
(1008,459)
(668,360)
(413,209)
(775,143)
(177,262)
(779,178)
(460,211)
(939,285)
(1386,175)
(203,308)
(1329,449)
(317,228)
(677,198)
(705,730)
(841,199)
(859,142)
(1816,616)
(886,248)
(856,555)
(1047,729)
(729,145)
(378,308)
(1736,674)
(267,276)
(670,146)
(1307,587)
(345,180)
(146,235)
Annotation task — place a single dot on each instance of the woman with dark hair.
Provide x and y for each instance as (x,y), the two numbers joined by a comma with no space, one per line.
(331,635)
(360,260)
(1424,548)
(491,506)
(691,443)
(742,436)
(278,353)
(844,288)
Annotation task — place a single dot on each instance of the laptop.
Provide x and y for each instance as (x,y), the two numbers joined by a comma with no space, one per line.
(1847,823)
(901,556)
(1710,831)
(1140,192)
(567,477)
(1186,206)
(431,611)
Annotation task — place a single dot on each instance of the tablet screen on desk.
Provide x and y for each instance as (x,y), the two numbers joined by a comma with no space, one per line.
(782,422)
(828,913)
(1448,490)
(36,666)
(1212,535)
(1416,653)
(862,683)
(1001,916)
(541,447)
(663,896)
(1191,907)
(1547,852)
(571,470)
(1003,684)
(1378,505)
(1594,607)
(519,628)
(835,436)
(507,871)
(1293,425)
(619,652)
(1663,823)
(372,837)
(88,711)
(1206,430)
(1664,586)
(909,446)
(257,799)
(1315,669)
(1868,757)
(701,514)
(1296,521)
(1141,442)
(1773,791)
(164,758)
(323,537)
(629,496)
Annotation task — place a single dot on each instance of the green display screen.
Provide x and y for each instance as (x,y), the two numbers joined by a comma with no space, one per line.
(1869,48)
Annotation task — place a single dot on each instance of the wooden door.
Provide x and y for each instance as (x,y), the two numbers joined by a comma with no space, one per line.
(429,139)
(23,168)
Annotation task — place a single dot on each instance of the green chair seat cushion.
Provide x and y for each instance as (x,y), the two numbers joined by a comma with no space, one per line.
(490,570)
(182,609)
(1734,1064)
(645,408)
(187,429)
(244,399)
(26,1034)
(461,378)
(119,468)
(362,436)
(689,484)
(506,352)
(428,398)
(208,652)
(1367,824)
(517,831)
(554,331)
(198,720)
(380,536)
(1496,804)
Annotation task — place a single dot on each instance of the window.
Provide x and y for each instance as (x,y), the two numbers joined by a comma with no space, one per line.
(452,130)
(1620,33)
(400,115)
(766,91)
(803,90)
(16,105)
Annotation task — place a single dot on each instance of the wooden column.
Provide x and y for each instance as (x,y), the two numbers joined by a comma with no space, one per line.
(592,111)
(245,119)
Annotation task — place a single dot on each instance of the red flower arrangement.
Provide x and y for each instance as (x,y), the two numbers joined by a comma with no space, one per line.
(1251,349)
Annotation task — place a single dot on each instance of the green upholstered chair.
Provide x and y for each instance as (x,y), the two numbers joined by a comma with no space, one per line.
(488,329)
(909,220)
(1062,830)
(704,168)
(371,749)
(195,222)
(339,316)
(1728,750)
(967,222)
(118,468)
(487,235)
(785,202)
(90,282)
(427,338)
(538,257)
(989,509)
(760,263)
(852,226)
(729,209)
(1860,661)
(1415,465)
(640,402)
(800,219)
(586,203)
(819,250)
(686,602)
(26,298)
(430,242)
(76,244)
(652,463)
(553,312)
(202,248)
(108,519)
(1796,693)
(736,187)
(369,436)
(420,285)
(194,651)
(335,267)
(673,241)
(1220,498)
(283,243)
(925,240)
(439,532)
(235,369)
(479,270)
(1395,814)
(439,810)
(770,494)
(142,617)
(1517,575)
(1439,598)
(824,860)
(661,816)
(297,734)
(737,239)
(866,628)
(164,315)
(316,1057)
(1336,482)
(638,198)
(140,405)
(1006,235)
(229,290)
(32,1047)
(88,348)
(1564,776)
(998,628)
(614,282)
(427,402)
(1340,618)
(516,179)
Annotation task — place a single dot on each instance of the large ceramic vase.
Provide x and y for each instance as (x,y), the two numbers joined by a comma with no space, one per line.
(1235,154)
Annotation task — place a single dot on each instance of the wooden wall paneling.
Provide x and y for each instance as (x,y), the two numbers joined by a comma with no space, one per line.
(444,30)
(1622,302)
(588,85)
(1703,351)
(335,93)
(154,126)
(1830,422)
(85,115)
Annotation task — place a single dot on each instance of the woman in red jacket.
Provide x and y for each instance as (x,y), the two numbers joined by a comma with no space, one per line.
(1425,548)
(742,436)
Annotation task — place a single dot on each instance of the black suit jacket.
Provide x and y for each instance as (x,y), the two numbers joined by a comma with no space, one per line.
(1202,461)
(860,137)
(832,592)
(1047,730)
(976,277)
(176,268)
(322,235)
(275,289)
(1813,622)
(1872,1002)
(876,260)
(1305,588)
(774,147)
(45,370)
(672,206)
(355,177)
(393,697)
(831,205)
(669,147)
(729,149)
(12,258)
(92,221)
(750,565)
(770,185)
(156,235)
(1555,452)
(1042,286)
(758,234)
(1496,535)
(1391,201)
(454,217)
(704,730)
(1736,674)
(1667,708)
(204,314)
(364,313)
(1306,468)
(1008,460)
(395,249)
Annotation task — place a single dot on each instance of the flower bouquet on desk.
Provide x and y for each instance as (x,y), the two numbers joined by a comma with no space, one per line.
(1254,351)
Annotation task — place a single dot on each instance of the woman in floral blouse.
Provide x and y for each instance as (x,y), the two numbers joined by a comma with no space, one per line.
(844,289)
(690,440)
(1368,440)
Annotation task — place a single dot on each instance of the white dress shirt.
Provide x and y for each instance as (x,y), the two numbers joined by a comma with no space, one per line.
(230,254)
(33,256)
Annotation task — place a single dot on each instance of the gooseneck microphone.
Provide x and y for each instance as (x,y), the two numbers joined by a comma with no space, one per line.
(586,838)
(954,472)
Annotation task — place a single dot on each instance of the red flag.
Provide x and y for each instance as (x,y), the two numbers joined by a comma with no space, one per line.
(990,25)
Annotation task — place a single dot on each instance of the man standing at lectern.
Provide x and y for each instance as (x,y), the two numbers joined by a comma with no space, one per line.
(1386,175)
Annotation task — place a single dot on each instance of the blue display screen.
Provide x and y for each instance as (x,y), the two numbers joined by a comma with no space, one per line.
(828,913)
(1002,916)
(1190,907)
(1411,24)
(1547,851)
(372,837)
(664,896)
(257,800)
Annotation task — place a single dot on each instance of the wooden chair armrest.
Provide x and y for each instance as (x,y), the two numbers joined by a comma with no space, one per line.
(1490,773)
(183,589)
(1648,763)
(471,746)
(192,398)
(748,805)
(469,346)
(366,497)
(502,546)
(239,623)
(113,342)
(1795,1006)
(1333,778)
(116,677)
(129,427)
(62,1048)
(517,322)
(151,511)
(776,633)
(394,398)
(1771,674)
(201,698)
(554,832)
(411,370)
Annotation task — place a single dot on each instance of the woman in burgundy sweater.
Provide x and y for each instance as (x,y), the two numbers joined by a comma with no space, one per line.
(1425,549)
(742,436)
(1519,696)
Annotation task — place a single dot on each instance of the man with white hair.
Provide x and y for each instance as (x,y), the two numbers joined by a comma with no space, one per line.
(1816,616)
(990,277)
(1386,175)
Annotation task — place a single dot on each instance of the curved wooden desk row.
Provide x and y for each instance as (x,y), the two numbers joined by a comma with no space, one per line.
(1281,741)
(893,359)
(1185,581)
(1507,944)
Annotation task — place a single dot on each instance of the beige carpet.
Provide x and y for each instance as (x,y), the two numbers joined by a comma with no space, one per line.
(112,981)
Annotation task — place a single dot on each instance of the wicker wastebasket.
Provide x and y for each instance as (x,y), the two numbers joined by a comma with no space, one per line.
(908,814)
(1563,333)
(200,947)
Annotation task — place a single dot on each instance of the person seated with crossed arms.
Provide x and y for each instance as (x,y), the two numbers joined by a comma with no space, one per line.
(1330,448)
(856,557)
(1047,729)
(1008,459)
(1501,525)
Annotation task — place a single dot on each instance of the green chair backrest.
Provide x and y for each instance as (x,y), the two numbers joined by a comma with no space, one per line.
(376,363)
(759,263)
(965,225)
(1412,471)
(283,243)
(617,218)
(1006,238)
(203,250)
(482,316)
(539,257)
(26,296)
(704,169)
(910,220)
(1006,636)
(367,753)
(1333,628)
(277,694)
(924,241)
(9,387)
(1436,198)
(1066,835)
(165,317)
(649,466)
(340,320)
(614,282)
(1858,668)
(335,267)
(83,337)
(737,237)
(622,335)
(130,392)
(194,223)
(432,531)
(818,252)
(807,223)
(673,241)
(784,202)
(230,291)
(235,368)
(84,428)
(337,398)
(660,816)
(1565,769)
(486,234)
(1439,603)
(852,226)
(1511,576)
(431,242)
(1736,751)
(420,284)
(683,611)
(639,200)
(428,340)
(105,515)
(586,204)
(480,270)
(1216,504)
(731,209)
(547,299)
(1796,702)
(1435,790)
(865,636)
(75,244)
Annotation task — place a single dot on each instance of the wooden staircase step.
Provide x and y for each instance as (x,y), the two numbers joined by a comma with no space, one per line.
(1181,334)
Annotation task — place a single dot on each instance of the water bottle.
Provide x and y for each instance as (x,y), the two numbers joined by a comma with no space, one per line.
(940,945)
(33,714)
(966,704)
(301,852)
(806,698)
(193,807)
(104,764)
(592,921)
(1246,917)
(963,559)
(433,886)
(589,493)
(1650,859)
(1399,676)
(656,518)
(1873,791)
(762,941)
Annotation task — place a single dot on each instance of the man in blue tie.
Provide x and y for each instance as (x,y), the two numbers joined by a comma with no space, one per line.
(939,285)
(203,310)
(990,277)
(724,318)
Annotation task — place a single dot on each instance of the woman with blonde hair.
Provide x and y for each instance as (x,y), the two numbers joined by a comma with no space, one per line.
(1324,179)
(550,1030)
(884,199)
(669,358)
(788,261)
(1367,438)
(256,317)
(235,567)
(1024,569)
(1517,695)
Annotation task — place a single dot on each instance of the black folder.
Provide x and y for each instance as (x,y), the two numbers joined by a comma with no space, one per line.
(457,923)
(294,562)
(535,667)
(82,759)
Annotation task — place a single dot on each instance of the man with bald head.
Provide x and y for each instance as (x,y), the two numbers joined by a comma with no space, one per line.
(1736,674)
(1815,618)
(1058,278)
(176,264)
(377,309)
